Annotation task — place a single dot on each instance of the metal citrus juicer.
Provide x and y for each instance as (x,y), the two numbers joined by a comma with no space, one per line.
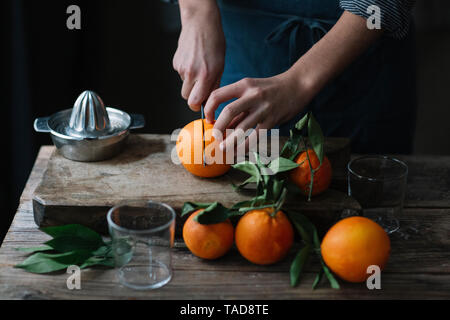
(89,131)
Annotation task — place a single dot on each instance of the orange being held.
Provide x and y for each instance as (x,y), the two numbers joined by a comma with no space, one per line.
(208,241)
(190,149)
(352,245)
(301,175)
(263,237)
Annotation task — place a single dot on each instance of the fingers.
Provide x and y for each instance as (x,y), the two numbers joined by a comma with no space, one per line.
(221,95)
(199,94)
(230,112)
(251,142)
(188,84)
(238,119)
(240,130)
(198,81)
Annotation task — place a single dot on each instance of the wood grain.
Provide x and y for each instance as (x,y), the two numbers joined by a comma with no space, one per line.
(419,267)
(76,192)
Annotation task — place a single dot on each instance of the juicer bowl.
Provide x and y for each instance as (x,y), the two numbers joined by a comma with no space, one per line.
(89,149)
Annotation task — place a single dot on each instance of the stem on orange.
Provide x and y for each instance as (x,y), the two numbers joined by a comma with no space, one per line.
(274,213)
(280,202)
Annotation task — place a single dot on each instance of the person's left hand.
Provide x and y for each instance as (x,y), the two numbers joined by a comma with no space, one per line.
(261,104)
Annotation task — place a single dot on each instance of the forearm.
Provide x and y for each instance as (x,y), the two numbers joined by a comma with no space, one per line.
(343,44)
(200,56)
(195,9)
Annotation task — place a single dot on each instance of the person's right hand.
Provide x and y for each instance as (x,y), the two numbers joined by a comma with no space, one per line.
(199,59)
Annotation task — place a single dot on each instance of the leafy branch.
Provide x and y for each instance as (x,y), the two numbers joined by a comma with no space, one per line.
(271,191)
(212,213)
(71,245)
(310,238)
(298,143)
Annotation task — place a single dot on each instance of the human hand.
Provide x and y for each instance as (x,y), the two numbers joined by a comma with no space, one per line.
(199,59)
(261,104)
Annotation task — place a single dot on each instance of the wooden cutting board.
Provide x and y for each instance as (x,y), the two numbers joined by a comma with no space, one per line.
(77,192)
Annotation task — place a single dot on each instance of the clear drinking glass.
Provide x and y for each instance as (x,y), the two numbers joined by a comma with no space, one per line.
(378,183)
(142,235)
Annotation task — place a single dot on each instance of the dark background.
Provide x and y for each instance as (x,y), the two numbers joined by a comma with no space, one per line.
(124,52)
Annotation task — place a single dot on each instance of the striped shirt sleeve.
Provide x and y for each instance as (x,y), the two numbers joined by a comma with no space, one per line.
(395,14)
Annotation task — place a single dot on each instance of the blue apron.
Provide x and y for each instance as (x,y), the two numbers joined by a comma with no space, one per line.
(373,102)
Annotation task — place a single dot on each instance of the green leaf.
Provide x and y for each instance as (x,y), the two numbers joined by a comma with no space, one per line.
(268,192)
(292,146)
(71,243)
(45,263)
(35,249)
(317,279)
(298,264)
(309,234)
(236,213)
(98,261)
(303,232)
(281,200)
(316,240)
(108,263)
(104,251)
(333,282)
(252,179)
(302,123)
(282,165)
(316,137)
(304,227)
(257,159)
(250,168)
(74,230)
(190,207)
(215,213)
(277,189)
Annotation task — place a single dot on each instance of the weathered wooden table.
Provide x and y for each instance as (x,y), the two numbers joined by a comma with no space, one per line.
(419,266)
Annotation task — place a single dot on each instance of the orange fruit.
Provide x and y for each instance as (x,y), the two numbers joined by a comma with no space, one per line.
(301,175)
(190,151)
(352,245)
(208,241)
(263,239)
